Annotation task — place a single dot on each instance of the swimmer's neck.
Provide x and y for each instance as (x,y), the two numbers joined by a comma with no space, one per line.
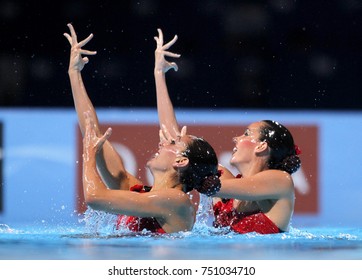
(165,181)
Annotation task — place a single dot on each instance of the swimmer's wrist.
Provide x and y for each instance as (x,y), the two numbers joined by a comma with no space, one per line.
(158,71)
(73,70)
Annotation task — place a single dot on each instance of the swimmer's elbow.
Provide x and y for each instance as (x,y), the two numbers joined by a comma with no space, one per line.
(94,203)
(93,199)
(87,198)
(90,200)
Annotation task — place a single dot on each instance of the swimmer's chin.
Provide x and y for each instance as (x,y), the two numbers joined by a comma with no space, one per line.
(151,159)
(154,156)
(231,162)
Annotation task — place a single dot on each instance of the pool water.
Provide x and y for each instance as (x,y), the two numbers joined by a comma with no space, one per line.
(100,241)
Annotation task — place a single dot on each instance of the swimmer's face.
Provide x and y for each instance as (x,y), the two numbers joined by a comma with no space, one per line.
(244,149)
(169,152)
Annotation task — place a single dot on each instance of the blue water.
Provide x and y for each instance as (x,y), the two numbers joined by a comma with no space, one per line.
(99,241)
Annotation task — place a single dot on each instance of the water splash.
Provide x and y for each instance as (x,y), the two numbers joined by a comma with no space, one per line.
(204,211)
(98,222)
(204,221)
(6,229)
(102,223)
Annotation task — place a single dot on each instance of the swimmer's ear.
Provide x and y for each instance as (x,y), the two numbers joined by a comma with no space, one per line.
(181,162)
(262,147)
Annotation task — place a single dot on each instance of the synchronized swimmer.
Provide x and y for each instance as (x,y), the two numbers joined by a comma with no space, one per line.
(182,164)
(260,199)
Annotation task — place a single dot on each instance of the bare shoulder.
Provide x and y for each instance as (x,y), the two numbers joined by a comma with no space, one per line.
(276,174)
(279,178)
(172,197)
(178,203)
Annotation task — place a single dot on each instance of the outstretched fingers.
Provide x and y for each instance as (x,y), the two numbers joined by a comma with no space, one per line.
(72,33)
(161,64)
(105,137)
(169,44)
(162,136)
(69,38)
(159,39)
(167,135)
(183,131)
(91,139)
(73,41)
(86,40)
(171,54)
(160,45)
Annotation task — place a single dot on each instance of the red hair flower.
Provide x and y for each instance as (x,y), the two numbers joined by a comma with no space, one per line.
(297,150)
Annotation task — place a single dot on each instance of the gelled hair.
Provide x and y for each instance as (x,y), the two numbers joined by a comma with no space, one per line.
(283,155)
(202,171)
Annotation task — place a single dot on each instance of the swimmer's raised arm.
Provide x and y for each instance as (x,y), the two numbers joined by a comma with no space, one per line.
(76,64)
(109,162)
(165,108)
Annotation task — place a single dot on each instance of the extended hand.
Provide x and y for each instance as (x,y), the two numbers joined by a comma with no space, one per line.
(165,136)
(91,142)
(161,64)
(77,62)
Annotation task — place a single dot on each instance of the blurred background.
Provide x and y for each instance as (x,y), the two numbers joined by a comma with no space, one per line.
(283,54)
(297,62)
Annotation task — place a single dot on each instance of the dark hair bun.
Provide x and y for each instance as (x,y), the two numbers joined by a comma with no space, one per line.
(210,185)
(290,164)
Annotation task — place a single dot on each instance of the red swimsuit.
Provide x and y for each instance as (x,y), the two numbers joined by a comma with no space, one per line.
(226,215)
(136,223)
